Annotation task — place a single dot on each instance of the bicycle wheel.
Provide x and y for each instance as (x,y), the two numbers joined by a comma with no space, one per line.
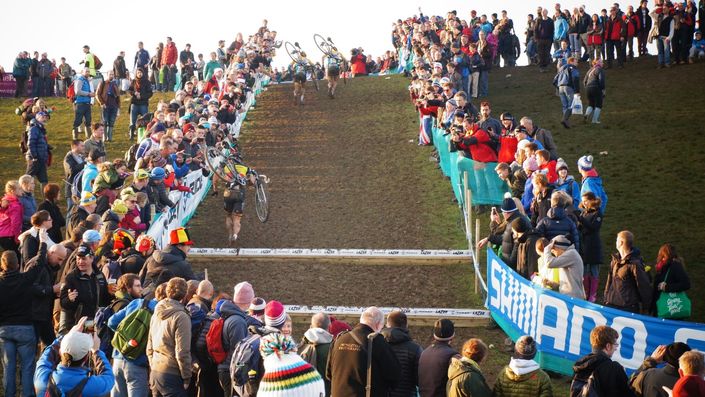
(292,51)
(261,201)
(219,165)
(322,44)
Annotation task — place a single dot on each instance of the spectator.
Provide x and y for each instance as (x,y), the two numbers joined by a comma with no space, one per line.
(285,373)
(51,197)
(610,378)
(348,364)
(435,360)
(515,180)
(74,362)
(315,346)
(592,182)
(541,203)
(698,47)
(158,195)
(595,86)
(566,183)
(464,375)
(82,103)
(73,164)
(615,37)
(650,379)
(20,71)
(96,142)
(407,352)
(108,97)
(140,91)
(172,258)
(500,230)
(589,224)
(561,254)
(11,213)
(168,63)
(692,371)
(568,83)
(628,287)
(524,247)
(558,222)
(81,212)
(29,240)
(169,342)
(595,39)
(670,275)
(338,326)
(45,290)
(523,376)
(84,290)
(541,135)
(544,33)
(666,28)
(38,149)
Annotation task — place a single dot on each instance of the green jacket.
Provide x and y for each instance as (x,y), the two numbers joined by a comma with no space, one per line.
(466,380)
(523,378)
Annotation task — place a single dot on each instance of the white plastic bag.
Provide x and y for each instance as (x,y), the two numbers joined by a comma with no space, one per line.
(124,85)
(577,104)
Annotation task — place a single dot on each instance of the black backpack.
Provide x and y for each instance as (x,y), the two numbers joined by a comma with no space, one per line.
(585,387)
(131,156)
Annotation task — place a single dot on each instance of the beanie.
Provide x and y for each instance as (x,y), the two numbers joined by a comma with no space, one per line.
(561,242)
(337,326)
(585,163)
(91,236)
(87,198)
(525,348)
(561,164)
(158,173)
(257,305)
(243,293)
(180,235)
(119,207)
(674,351)
(285,372)
(127,194)
(530,164)
(521,225)
(274,314)
(443,330)
(508,204)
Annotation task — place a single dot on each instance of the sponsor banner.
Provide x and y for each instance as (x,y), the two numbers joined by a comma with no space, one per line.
(561,324)
(425,312)
(330,253)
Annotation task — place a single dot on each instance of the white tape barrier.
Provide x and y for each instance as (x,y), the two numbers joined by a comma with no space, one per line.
(411,312)
(330,253)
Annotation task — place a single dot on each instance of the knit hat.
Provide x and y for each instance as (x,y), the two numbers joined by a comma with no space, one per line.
(84,251)
(530,164)
(243,293)
(95,154)
(337,326)
(521,225)
(525,348)
(122,240)
(585,163)
(91,236)
(508,204)
(76,344)
(561,242)
(522,144)
(257,305)
(119,207)
(144,243)
(274,314)
(443,330)
(561,164)
(285,372)
(180,235)
(128,194)
(141,174)
(87,198)
(674,351)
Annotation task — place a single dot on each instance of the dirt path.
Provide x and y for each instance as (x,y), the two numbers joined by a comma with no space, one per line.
(343,172)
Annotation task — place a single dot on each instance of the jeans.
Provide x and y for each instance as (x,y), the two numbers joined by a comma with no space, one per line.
(664,50)
(131,380)
(566,95)
(36,86)
(574,40)
(83,114)
(484,83)
(167,385)
(531,50)
(21,88)
(109,116)
(612,46)
(14,340)
(169,77)
(474,85)
(135,112)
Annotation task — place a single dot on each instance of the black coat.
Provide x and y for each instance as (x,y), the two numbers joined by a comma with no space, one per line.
(408,353)
(43,286)
(433,369)
(526,256)
(648,380)
(170,258)
(16,296)
(677,280)
(347,364)
(57,218)
(611,378)
(556,223)
(92,294)
(78,214)
(589,225)
(628,286)
(502,234)
(540,205)
(132,262)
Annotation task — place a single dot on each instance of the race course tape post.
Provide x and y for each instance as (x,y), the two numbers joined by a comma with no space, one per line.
(561,324)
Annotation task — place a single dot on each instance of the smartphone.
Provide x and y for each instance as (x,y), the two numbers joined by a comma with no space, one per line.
(89,327)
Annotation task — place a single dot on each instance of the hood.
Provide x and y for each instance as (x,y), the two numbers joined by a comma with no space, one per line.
(167,308)
(318,336)
(460,366)
(169,256)
(585,365)
(569,179)
(11,198)
(556,213)
(592,173)
(396,335)
(228,308)
(519,369)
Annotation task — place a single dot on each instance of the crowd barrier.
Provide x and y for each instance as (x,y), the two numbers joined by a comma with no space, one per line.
(187,203)
(561,324)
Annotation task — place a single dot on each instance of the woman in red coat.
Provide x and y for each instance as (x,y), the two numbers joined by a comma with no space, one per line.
(475,142)
(11,217)
(358,63)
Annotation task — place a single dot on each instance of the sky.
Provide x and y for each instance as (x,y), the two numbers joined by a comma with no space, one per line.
(51,27)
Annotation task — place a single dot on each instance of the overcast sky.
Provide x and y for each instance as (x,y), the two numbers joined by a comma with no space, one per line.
(62,28)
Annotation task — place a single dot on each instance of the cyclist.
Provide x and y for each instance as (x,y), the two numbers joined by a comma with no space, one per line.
(333,61)
(301,66)
(234,195)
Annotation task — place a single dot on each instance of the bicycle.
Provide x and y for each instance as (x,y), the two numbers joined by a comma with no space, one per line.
(328,48)
(294,51)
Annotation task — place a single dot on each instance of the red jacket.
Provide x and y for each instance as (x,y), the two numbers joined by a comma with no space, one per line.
(11,218)
(358,65)
(128,222)
(169,54)
(550,170)
(632,24)
(615,29)
(478,145)
(507,148)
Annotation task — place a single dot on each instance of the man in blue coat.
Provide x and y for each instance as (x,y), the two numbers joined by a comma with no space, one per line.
(38,148)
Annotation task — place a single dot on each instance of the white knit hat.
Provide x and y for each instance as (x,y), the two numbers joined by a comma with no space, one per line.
(286,374)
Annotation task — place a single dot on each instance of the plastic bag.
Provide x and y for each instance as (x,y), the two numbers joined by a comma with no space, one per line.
(577,104)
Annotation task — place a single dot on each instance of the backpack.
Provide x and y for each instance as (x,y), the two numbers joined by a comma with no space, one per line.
(53,391)
(97,64)
(200,344)
(77,185)
(308,354)
(105,334)
(131,335)
(71,93)
(24,142)
(589,387)
(564,77)
(214,341)
(131,156)
(246,358)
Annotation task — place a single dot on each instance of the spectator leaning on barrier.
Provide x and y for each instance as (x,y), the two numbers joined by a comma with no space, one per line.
(610,378)
(589,225)
(670,274)
(501,231)
(561,254)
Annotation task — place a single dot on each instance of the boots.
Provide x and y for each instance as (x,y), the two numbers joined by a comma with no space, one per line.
(586,285)
(566,116)
(594,282)
(588,112)
(74,134)
(596,116)
(87,131)
(132,132)
(108,133)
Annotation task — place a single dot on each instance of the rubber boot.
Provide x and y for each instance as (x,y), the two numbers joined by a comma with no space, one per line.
(566,116)
(594,283)
(596,116)
(131,132)
(86,130)
(588,112)
(74,134)
(108,133)
(586,284)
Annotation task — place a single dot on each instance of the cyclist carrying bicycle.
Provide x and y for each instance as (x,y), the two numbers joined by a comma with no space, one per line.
(301,66)
(234,196)
(333,61)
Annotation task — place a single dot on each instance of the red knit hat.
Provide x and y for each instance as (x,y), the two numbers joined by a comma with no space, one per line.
(180,235)
(274,314)
(336,326)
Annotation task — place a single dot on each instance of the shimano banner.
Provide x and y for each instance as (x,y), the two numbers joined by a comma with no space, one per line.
(561,325)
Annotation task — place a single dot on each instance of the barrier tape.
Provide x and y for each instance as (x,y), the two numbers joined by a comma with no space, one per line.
(330,253)
(411,312)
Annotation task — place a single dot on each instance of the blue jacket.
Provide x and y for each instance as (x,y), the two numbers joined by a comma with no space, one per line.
(29,207)
(528,195)
(699,44)
(86,87)
(560,29)
(179,171)
(37,142)
(117,318)
(557,223)
(66,378)
(21,67)
(594,184)
(141,58)
(570,186)
(90,172)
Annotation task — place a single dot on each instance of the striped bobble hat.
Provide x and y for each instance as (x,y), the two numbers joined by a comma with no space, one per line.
(285,372)
(274,314)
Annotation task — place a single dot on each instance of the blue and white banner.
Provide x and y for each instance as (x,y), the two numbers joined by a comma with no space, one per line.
(561,325)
